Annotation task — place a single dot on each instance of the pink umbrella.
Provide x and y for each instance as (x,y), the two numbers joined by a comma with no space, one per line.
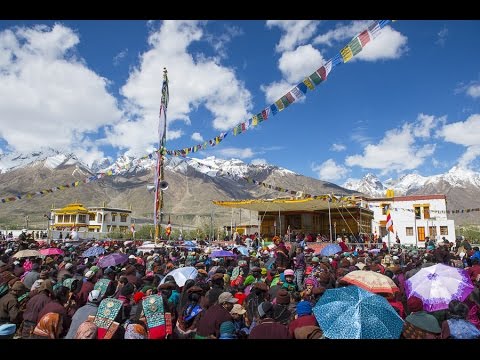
(51,251)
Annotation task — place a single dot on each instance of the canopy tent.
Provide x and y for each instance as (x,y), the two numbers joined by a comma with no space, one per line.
(288,204)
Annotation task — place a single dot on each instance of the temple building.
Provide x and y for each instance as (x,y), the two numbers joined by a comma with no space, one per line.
(92,219)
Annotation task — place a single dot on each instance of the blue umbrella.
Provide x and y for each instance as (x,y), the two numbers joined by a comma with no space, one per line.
(353,313)
(93,251)
(242,250)
(331,249)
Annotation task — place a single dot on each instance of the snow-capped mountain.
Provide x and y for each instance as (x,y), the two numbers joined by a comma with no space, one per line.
(370,184)
(51,159)
(456,177)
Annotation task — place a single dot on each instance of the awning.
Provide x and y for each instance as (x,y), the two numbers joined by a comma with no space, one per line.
(306,204)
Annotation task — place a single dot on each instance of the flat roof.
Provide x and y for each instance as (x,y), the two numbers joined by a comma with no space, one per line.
(409,198)
(320,202)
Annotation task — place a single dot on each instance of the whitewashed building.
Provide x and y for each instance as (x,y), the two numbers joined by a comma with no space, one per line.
(96,219)
(414,218)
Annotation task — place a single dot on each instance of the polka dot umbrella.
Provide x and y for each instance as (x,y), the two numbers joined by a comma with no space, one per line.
(354,313)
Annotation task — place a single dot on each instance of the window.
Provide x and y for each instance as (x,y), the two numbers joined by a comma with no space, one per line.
(113,217)
(60,218)
(91,217)
(409,231)
(123,218)
(82,219)
(385,208)
(418,214)
(432,230)
(421,233)
(426,212)
(443,230)
(99,217)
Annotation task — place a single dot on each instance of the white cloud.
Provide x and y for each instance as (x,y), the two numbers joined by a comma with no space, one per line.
(238,153)
(397,151)
(341,33)
(442,37)
(296,32)
(259,161)
(338,147)
(297,64)
(390,44)
(197,137)
(195,81)
(474,90)
(466,133)
(220,42)
(275,90)
(118,58)
(294,65)
(48,96)
(426,123)
(330,171)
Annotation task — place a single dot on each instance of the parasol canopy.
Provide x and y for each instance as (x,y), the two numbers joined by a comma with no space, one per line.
(27,253)
(371,281)
(181,275)
(439,284)
(94,251)
(51,251)
(112,260)
(354,313)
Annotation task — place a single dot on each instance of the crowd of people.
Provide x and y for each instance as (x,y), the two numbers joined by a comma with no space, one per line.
(268,292)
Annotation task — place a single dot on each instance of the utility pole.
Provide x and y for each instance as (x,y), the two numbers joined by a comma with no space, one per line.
(329,218)
(160,173)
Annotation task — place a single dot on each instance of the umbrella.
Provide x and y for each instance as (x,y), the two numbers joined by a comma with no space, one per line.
(222,253)
(93,251)
(439,284)
(26,253)
(112,260)
(353,313)
(51,251)
(242,250)
(181,275)
(375,251)
(371,281)
(330,249)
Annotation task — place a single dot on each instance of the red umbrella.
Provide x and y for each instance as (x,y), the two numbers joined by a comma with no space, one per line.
(51,251)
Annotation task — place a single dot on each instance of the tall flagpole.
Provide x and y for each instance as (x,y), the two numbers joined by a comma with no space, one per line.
(159,173)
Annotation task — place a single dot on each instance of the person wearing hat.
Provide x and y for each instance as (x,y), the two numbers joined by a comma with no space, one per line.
(289,283)
(238,315)
(217,288)
(58,305)
(268,328)
(419,324)
(304,317)
(87,286)
(33,307)
(281,311)
(82,313)
(209,324)
(7,330)
(9,305)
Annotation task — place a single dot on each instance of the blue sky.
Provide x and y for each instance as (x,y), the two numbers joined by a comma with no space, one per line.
(409,102)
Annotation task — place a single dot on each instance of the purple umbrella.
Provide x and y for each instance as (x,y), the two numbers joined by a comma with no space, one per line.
(222,253)
(112,260)
(330,249)
(439,284)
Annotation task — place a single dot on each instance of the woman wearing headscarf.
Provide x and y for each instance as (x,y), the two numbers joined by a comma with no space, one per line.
(456,326)
(87,330)
(184,295)
(57,305)
(188,315)
(419,324)
(49,327)
(135,331)
(33,307)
